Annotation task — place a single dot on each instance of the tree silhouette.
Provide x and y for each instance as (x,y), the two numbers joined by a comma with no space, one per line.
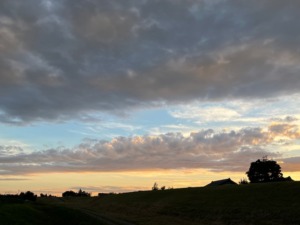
(28,195)
(155,187)
(69,194)
(80,193)
(264,171)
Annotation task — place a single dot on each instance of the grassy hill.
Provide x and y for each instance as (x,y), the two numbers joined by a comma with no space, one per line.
(257,204)
(28,213)
(272,203)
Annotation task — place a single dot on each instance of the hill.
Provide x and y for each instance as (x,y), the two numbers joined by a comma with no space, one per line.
(29,213)
(252,204)
(269,203)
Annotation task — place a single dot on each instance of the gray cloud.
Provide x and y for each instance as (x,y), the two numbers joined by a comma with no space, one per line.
(13,179)
(291,164)
(10,150)
(287,119)
(107,189)
(217,151)
(71,58)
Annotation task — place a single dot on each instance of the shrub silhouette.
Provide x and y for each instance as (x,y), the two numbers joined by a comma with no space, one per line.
(244,181)
(45,195)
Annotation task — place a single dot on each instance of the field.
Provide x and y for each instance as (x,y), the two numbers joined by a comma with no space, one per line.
(273,204)
(40,214)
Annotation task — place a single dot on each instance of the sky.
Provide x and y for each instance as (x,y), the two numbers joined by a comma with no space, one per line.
(114,95)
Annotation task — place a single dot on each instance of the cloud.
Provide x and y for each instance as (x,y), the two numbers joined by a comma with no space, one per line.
(205,114)
(291,164)
(108,189)
(286,119)
(10,150)
(207,149)
(287,130)
(62,60)
(13,179)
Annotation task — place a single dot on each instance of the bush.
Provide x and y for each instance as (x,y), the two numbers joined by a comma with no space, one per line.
(244,181)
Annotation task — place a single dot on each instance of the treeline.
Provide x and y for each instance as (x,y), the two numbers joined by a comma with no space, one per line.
(22,197)
(30,196)
(80,193)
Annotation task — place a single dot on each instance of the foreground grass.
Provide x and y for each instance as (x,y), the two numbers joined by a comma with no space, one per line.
(39,214)
(257,204)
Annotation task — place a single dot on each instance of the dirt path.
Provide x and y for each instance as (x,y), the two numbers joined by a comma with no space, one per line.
(104,219)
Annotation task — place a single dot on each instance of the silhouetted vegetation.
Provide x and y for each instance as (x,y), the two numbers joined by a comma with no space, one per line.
(155,187)
(80,193)
(69,194)
(275,203)
(265,170)
(243,181)
(45,195)
(23,196)
(30,196)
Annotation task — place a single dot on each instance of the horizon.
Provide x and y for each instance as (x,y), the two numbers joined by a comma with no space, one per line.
(112,96)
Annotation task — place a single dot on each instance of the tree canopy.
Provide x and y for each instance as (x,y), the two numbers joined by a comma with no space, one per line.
(264,171)
(80,193)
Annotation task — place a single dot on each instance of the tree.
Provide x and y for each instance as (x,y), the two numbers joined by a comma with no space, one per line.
(155,187)
(264,171)
(69,194)
(80,193)
(28,195)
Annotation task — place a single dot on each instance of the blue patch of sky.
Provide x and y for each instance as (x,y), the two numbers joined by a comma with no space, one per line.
(48,135)
(138,123)
(143,122)
(43,135)
(153,118)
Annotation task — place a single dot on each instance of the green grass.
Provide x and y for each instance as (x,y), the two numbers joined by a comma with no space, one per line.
(40,214)
(259,204)
(254,204)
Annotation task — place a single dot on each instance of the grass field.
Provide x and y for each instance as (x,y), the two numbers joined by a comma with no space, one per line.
(39,214)
(257,204)
(273,203)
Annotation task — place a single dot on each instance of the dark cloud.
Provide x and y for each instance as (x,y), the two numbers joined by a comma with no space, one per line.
(208,149)
(107,189)
(65,59)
